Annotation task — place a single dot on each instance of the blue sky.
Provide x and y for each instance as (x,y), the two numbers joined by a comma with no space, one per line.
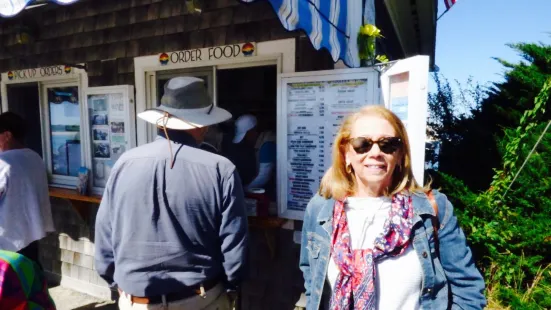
(474,31)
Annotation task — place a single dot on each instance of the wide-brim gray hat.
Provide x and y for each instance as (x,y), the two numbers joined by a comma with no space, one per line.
(188,106)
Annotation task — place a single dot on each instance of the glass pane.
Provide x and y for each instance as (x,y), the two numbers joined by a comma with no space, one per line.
(65,130)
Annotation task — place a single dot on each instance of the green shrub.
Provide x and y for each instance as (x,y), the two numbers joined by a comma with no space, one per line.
(511,241)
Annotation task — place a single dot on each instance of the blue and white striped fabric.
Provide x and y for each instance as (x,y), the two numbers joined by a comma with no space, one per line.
(10,8)
(330,24)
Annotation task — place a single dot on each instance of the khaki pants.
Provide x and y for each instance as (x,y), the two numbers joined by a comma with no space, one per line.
(216,299)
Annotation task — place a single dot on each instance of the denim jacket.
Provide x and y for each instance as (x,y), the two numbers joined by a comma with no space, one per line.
(451,272)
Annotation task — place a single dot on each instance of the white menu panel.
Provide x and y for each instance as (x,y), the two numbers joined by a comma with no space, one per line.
(315,111)
(312,107)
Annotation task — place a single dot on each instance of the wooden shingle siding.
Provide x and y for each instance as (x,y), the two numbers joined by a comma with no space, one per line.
(177,24)
(171,9)
(92,31)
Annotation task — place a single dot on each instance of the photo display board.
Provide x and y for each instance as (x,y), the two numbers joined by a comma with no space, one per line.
(111,111)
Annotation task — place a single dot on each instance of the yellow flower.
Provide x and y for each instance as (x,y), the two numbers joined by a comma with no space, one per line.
(370,30)
(382,58)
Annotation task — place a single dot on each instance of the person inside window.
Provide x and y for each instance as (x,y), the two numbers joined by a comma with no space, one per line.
(254,154)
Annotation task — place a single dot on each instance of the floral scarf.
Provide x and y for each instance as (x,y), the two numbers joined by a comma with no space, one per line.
(355,285)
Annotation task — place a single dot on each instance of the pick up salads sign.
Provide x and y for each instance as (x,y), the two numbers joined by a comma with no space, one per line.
(210,53)
(40,72)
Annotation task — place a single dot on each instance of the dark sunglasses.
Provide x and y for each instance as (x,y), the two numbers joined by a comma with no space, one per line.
(363,145)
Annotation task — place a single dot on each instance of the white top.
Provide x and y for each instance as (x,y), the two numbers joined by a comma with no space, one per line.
(25,212)
(398,279)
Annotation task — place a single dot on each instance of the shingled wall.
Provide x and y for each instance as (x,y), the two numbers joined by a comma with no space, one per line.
(106,35)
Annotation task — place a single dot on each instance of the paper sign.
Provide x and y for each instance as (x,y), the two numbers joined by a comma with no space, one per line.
(315,111)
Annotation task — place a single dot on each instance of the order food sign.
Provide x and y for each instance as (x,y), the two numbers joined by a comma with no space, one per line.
(9,8)
(209,53)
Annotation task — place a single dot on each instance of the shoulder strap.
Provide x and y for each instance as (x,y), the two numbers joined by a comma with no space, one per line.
(435,221)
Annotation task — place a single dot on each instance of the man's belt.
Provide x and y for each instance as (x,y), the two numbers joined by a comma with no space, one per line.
(175,296)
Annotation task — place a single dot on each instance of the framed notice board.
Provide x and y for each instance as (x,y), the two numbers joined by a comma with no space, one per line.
(112,129)
(312,106)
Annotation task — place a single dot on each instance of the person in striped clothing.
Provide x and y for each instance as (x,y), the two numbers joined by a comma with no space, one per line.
(22,284)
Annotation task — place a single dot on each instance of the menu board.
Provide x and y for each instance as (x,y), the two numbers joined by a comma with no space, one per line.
(312,107)
(315,111)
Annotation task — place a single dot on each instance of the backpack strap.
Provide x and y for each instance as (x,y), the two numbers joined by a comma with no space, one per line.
(435,221)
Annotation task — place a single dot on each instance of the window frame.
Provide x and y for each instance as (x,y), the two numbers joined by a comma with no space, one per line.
(74,77)
(56,179)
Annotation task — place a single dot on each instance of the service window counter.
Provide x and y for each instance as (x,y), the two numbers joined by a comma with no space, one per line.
(303,110)
(241,78)
(71,125)
(51,101)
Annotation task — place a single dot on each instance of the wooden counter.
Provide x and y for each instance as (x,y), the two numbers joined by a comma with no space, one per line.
(266,222)
(269,222)
(72,194)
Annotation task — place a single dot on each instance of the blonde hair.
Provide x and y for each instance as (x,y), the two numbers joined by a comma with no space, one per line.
(338,184)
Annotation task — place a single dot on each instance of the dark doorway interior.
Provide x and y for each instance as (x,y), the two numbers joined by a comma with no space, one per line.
(253,91)
(23,99)
(250,90)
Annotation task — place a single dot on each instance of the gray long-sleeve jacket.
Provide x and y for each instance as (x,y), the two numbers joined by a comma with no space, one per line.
(159,230)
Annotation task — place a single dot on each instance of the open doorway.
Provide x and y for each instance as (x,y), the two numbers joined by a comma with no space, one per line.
(24,100)
(251,90)
(244,90)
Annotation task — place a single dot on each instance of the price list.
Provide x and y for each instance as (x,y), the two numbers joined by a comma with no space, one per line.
(315,112)
(305,164)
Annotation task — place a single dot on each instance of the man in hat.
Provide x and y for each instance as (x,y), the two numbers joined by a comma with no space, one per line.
(171,230)
(25,212)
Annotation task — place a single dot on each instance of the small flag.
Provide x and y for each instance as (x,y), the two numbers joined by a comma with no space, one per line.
(449,3)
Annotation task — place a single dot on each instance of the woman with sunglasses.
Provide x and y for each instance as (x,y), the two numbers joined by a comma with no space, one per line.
(369,240)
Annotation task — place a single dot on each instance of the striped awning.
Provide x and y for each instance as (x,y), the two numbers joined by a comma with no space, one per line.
(330,24)
(10,8)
